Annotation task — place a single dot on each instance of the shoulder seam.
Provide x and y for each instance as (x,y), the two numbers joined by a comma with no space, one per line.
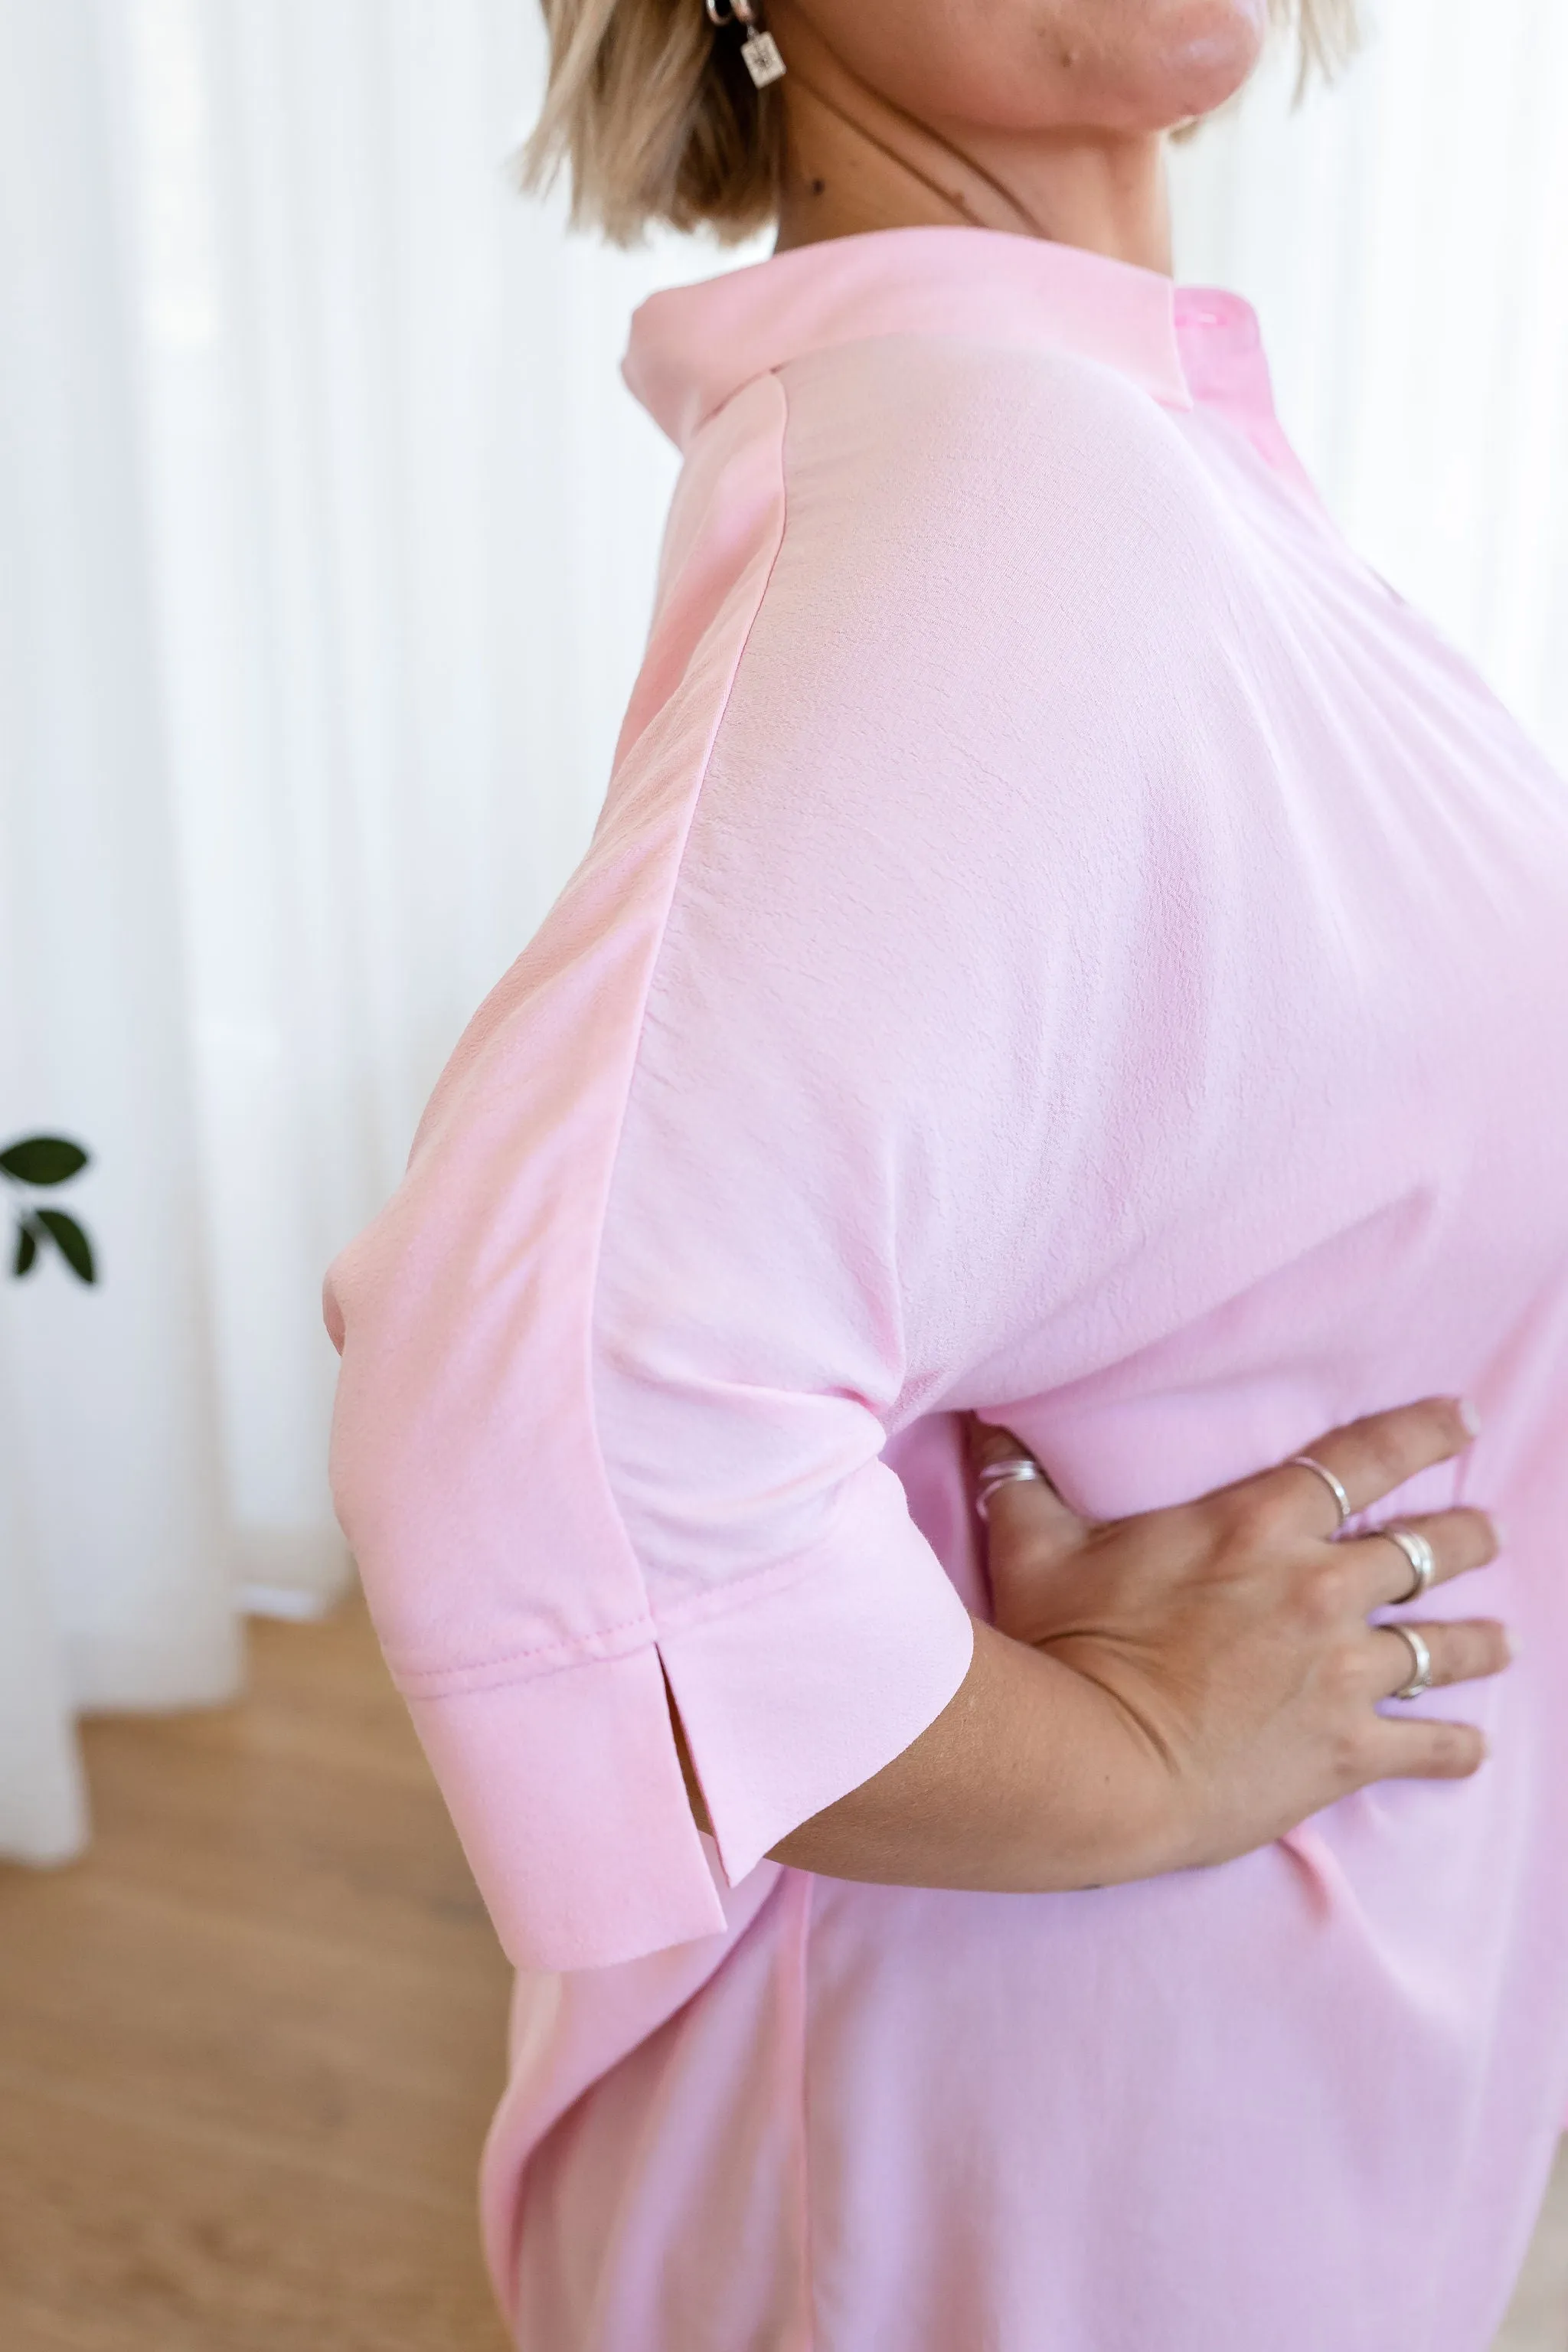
(590,1320)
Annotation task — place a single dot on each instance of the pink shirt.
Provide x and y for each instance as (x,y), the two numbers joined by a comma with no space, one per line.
(1064,939)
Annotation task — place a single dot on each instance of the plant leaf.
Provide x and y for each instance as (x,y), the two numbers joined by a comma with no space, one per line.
(43,1159)
(70,1240)
(27,1248)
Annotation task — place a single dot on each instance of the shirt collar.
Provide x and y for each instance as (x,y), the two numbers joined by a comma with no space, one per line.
(692,348)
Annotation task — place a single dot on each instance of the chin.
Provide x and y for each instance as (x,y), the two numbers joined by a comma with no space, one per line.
(1147,64)
(1032,65)
(1184,57)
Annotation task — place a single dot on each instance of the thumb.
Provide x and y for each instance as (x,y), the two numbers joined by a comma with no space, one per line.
(1028,1510)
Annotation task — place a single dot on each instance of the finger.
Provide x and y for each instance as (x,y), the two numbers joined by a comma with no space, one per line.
(1415,1748)
(1460,1540)
(1373,1456)
(988,1441)
(1029,1507)
(1464,1651)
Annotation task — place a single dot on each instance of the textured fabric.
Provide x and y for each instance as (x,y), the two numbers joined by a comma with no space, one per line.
(1063,939)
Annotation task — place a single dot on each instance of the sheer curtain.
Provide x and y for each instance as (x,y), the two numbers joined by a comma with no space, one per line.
(326,539)
(326,536)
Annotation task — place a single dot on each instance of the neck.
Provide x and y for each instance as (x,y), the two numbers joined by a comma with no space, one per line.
(854,162)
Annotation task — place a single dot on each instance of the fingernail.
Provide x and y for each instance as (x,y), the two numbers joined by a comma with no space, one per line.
(1510,1643)
(1469,1416)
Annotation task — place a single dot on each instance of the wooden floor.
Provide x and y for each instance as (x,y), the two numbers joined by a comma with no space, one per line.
(248,2048)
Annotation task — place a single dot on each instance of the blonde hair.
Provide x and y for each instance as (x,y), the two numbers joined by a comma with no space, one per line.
(658,121)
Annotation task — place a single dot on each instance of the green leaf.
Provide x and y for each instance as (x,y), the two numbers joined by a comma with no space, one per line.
(27,1248)
(70,1240)
(43,1159)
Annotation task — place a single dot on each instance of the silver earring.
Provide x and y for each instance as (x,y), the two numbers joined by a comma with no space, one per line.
(759,49)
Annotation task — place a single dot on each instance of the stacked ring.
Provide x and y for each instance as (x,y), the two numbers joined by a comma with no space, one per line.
(1420,1662)
(1422,1558)
(1008,1472)
(1341,1500)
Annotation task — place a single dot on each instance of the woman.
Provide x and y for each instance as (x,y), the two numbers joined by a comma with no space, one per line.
(1064,945)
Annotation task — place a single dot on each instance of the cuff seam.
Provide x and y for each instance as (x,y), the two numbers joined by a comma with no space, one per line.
(644,1631)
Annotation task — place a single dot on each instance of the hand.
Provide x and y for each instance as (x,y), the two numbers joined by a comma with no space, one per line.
(1230,1637)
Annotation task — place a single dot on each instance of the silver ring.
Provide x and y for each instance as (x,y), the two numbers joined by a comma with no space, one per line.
(1341,1500)
(1422,1558)
(1420,1661)
(1016,1468)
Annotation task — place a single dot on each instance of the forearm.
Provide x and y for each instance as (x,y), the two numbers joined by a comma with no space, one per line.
(1028,1781)
(1190,1684)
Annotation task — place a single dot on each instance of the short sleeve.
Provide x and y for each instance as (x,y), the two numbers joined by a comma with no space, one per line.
(598,1439)
(619,1357)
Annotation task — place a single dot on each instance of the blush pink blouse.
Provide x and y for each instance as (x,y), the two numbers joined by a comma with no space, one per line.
(1063,939)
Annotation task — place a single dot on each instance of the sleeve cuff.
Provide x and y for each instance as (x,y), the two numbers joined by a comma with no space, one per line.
(566,1792)
(819,1676)
(792,1689)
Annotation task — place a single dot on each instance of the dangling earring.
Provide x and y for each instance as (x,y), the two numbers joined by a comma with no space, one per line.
(759,49)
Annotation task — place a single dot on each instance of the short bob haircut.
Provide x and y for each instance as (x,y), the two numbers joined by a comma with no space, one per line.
(659,122)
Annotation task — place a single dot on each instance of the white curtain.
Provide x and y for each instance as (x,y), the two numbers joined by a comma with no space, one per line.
(326,540)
